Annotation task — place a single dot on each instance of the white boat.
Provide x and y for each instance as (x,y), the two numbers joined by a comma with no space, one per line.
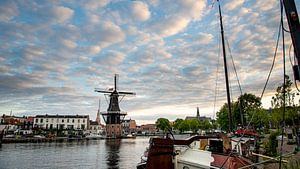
(190,154)
(94,136)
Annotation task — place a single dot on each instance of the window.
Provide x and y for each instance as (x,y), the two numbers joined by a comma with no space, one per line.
(83,120)
(78,120)
(36,120)
(62,120)
(73,121)
(46,120)
(67,120)
(41,120)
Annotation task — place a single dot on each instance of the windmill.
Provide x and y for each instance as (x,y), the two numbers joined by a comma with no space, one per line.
(114,116)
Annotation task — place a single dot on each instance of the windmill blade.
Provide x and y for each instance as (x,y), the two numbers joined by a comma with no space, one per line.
(102,91)
(127,93)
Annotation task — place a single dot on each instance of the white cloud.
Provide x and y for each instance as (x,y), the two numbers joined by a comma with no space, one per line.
(231,5)
(111,58)
(94,49)
(62,14)
(265,5)
(178,16)
(192,8)
(205,38)
(69,44)
(172,25)
(140,11)
(8,11)
(95,4)
(108,33)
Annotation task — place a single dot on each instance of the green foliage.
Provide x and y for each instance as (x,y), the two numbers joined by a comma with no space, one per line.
(205,125)
(247,104)
(191,125)
(194,125)
(163,124)
(272,144)
(278,99)
(278,103)
(222,117)
(177,123)
(184,126)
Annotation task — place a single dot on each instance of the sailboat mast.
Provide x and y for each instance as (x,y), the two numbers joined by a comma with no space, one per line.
(226,72)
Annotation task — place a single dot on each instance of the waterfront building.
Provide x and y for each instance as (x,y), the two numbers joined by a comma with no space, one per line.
(148,129)
(198,117)
(61,122)
(95,126)
(12,123)
(129,126)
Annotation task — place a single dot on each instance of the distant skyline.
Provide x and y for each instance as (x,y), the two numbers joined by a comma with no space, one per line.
(54,53)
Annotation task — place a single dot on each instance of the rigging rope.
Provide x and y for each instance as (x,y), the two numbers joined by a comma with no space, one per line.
(273,62)
(217,77)
(262,94)
(284,86)
(238,80)
(234,68)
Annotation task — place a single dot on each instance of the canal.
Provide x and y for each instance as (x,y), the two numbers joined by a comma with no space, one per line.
(94,154)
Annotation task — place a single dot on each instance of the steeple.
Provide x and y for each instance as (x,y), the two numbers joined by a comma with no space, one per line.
(98,120)
(198,114)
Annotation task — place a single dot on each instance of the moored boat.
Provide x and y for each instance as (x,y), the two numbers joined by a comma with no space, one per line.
(169,153)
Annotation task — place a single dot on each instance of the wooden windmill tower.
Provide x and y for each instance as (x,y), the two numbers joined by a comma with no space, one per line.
(113,117)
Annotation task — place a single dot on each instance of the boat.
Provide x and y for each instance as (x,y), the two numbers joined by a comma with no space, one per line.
(2,128)
(187,153)
(94,136)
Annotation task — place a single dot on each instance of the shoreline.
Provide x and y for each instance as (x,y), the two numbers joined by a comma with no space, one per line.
(60,139)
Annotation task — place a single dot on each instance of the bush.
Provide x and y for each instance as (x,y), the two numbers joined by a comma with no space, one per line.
(272,144)
(294,164)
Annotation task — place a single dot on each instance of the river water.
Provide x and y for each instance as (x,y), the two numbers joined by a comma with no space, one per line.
(112,154)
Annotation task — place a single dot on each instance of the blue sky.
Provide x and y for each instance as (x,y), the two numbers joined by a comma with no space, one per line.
(54,53)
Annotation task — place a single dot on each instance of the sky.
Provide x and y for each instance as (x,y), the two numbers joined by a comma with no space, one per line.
(53,54)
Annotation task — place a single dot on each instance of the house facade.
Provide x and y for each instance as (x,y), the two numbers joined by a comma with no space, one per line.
(129,126)
(61,122)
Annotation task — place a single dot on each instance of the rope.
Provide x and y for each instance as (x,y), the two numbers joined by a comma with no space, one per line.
(272,66)
(217,77)
(284,86)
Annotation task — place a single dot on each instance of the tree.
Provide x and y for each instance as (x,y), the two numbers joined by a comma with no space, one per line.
(222,117)
(247,104)
(278,99)
(205,125)
(194,125)
(177,123)
(184,126)
(163,124)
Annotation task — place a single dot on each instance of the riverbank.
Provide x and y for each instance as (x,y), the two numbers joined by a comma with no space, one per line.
(58,139)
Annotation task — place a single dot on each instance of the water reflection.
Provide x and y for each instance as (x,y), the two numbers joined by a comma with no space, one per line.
(113,150)
(94,154)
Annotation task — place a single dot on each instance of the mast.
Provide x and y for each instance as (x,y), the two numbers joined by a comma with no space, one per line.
(226,72)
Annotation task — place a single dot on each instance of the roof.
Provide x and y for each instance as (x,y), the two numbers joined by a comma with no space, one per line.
(93,122)
(197,118)
(61,116)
